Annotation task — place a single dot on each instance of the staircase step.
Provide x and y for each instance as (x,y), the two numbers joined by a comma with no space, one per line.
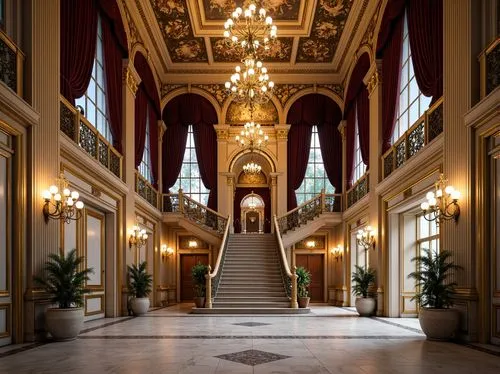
(279,304)
(250,293)
(251,299)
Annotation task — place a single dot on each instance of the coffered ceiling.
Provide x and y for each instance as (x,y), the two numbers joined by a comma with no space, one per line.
(317,39)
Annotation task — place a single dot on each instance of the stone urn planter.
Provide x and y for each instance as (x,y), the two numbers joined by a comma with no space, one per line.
(64,323)
(439,324)
(139,305)
(303,302)
(365,306)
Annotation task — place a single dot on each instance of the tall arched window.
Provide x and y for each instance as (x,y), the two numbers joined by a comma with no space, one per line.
(93,102)
(412,103)
(359,165)
(315,179)
(189,178)
(145,166)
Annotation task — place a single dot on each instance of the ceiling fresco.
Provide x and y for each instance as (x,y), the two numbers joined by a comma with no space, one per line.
(309,32)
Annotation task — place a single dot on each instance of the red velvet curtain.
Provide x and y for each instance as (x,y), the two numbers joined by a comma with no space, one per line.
(350,117)
(115,49)
(425,30)
(298,146)
(78,45)
(153,136)
(205,141)
(141,112)
(363,114)
(330,142)
(240,193)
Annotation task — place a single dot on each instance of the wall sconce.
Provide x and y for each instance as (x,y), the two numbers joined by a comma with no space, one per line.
(439,207)
(165,252)
(137,237)
(337,253)
(193,244)
(65,206)
(310,244)
(366,238)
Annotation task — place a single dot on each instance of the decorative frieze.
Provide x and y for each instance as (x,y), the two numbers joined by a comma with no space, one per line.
(167,88)
(285,91)
(134,35)
(218,91)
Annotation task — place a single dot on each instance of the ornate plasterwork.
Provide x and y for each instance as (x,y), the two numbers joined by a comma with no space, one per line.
(130,80)
(222,134)
(336,88)
(370,30)
(135,36)
(218,91)
(166,88)
(285,91)
(374,81)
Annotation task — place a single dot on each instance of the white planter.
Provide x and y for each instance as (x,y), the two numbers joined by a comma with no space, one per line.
(439,324)
(64,324)
(365,306)
(139,305)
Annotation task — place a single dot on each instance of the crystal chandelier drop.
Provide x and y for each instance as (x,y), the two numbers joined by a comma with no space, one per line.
(252,168)
(252,136)
(250,85)
(250,30)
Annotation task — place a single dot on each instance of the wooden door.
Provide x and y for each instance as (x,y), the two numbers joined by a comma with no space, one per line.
(252,222)
(313,263)
(187,262)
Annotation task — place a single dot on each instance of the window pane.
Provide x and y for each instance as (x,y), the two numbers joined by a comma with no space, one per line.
(414,114)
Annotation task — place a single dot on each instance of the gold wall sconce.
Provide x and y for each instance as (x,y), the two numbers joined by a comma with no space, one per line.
(366,238)
(337,253)
(310,244)
(62,203)
(166,252)
(443,203)
(138,237)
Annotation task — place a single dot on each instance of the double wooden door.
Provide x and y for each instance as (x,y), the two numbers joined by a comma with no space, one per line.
(187,262)
(315,264)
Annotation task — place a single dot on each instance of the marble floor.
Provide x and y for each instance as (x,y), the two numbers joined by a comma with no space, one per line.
(329,340)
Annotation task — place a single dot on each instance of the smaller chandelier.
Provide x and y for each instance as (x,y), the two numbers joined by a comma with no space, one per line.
(65,206)
(251,136)
(366,238)
(138,237)
(250,30)
(252,168)
(441,206)
(250,85)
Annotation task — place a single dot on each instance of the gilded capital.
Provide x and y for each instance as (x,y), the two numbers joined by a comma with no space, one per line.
(374,81)
(130,80)
(341,129)
(282,131)
(162,128)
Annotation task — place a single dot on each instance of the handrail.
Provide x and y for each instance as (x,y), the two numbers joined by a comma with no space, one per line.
(291,278)
(218,268)
(488,62)
(145,189)
(12,61)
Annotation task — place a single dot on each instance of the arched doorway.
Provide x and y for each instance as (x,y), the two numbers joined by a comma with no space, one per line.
(252,214)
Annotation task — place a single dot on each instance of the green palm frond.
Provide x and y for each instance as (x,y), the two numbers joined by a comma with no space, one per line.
(63,280)
(303,281)
(362,279)
(430,279)
(139,281)
(198,272)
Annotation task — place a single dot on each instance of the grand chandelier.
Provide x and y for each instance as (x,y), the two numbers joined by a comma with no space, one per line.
(250,85)
(252,168)
(252,136)
(250,30)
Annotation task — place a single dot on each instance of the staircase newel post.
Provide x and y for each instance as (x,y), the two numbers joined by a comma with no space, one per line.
(294,304)
(208,292)
(181,201)
(323,200)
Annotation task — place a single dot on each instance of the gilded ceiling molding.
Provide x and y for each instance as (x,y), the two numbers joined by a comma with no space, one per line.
(166,88)
(285,91)
(336,88)
(370,30)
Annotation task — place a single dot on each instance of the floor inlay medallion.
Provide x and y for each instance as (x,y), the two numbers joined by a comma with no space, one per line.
(251,324)
(252,357)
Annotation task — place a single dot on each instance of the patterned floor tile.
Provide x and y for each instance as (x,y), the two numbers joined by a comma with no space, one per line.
(252,357)
(251,324)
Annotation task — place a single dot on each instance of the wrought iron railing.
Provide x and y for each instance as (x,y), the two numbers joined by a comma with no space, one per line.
(146,190)
(358,190)
(489,61)
(193,210)
(321,203)
(11,64)
(82,132)
(213,278)
(289,277)
(426,129)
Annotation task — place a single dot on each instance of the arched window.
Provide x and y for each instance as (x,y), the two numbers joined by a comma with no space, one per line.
(315,179)
(412,103)
(252,201)
(359,165)
(93,102)
(189,178)
(145,166)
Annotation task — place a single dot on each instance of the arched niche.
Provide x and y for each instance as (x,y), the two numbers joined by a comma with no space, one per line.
(307,91)
(252,213)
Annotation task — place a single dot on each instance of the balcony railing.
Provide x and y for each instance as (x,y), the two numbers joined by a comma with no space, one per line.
(321,203)
(194,211)
(358,190)
(489,61)
(425,130)
(11,64)
(146,190)
(81,131)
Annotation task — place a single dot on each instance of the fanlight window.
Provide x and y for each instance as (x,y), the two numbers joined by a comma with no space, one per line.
(252,201)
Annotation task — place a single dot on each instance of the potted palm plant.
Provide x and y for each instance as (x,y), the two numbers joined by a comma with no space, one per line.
(303,281)
(139,287)
(363,278)
(198,272)
(64,281)
(437,320)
